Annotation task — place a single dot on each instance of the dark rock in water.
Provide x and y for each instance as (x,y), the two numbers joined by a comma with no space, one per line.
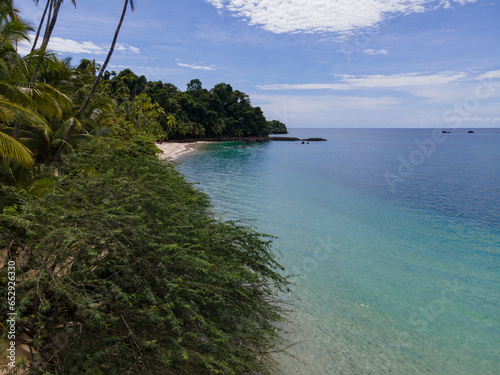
(302,143)
(470,132)
(284,139)
(314,139)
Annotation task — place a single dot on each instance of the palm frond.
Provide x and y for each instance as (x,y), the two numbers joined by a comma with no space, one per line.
(16,151)
(12,112)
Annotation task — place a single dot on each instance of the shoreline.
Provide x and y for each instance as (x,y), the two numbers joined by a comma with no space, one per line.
(173,150)
(176,148)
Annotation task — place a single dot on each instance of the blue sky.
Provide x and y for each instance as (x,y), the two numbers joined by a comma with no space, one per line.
(308,63)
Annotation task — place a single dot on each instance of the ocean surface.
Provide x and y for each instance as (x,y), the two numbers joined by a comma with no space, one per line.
(394,238)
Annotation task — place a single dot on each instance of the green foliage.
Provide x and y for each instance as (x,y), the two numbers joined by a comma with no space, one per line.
(278,127)
(197,112)
(123,259)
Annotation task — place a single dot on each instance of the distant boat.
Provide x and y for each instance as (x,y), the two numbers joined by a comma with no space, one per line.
(470,132)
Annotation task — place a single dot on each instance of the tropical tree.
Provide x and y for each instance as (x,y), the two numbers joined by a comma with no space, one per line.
(10,149)
(7,11)
(108,57)
(46,144)
(52,7)
(47,5)
(171,122)
(27,104)
(99,76)
(12,29)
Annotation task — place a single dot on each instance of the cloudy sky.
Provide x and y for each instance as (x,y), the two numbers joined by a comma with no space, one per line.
(308,63)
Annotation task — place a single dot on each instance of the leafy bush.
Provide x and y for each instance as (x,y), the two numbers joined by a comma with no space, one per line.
(122,268)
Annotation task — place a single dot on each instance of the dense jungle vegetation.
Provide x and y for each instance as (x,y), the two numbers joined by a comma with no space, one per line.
(121,266)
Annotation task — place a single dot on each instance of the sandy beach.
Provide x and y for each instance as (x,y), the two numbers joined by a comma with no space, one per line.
(172,150)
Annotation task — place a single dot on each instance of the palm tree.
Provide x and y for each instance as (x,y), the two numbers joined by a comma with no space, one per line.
(52,7)
(12,29)
(10,148)
(110,53)
(99,76)
(41,99)
(49,2)
(7,11)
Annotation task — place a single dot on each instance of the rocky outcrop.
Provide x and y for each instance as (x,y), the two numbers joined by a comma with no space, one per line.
(314,140)
(289,139)
(296,139)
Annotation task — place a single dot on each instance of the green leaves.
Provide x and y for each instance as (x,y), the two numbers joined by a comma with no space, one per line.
(141,276)
(13,150)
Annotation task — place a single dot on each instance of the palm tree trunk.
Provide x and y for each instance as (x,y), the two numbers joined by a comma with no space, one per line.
(103,68)
(49,18)
(51,23)
(40,26)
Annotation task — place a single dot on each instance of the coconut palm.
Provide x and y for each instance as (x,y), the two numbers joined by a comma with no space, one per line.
(49,2)
(23,104)
(52,7)
(12,29)
(99,76)
(42,99)
(7,11)
(110,53)
(11,149)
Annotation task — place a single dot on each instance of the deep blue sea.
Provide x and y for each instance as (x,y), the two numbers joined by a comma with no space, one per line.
(394,238)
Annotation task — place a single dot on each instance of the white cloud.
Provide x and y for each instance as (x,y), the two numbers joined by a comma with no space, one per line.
(340,16)
(197,67)
(304,86)
(402,80)
(66,46)
(127,48)
(327,111)
(72,46)
(412,99)
(490,75)
(374,81)
(375,52)
(23,49)
(62,45)
(296,105)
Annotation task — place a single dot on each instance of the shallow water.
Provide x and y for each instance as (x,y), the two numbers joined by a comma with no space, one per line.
(393,233)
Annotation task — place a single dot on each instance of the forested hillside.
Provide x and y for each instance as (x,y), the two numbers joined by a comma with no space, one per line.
(195,112)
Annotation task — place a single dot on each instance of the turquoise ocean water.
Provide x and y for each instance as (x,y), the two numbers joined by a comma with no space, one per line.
(394,235)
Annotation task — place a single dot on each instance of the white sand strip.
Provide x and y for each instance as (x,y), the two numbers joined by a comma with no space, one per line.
(172,150)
